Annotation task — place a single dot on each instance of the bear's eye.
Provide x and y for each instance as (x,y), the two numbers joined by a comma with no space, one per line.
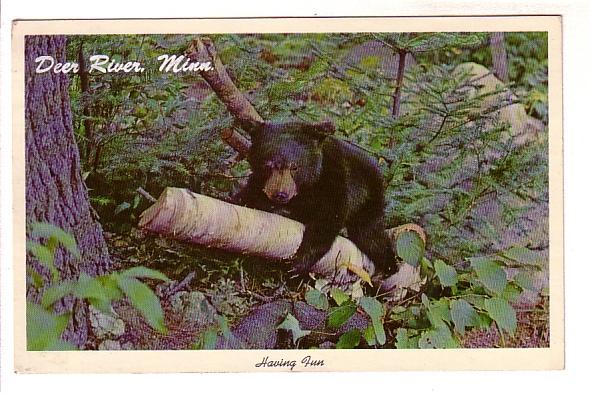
(294,167)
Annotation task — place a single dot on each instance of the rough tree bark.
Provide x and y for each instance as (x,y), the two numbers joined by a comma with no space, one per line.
(85,88)
(55,192)
(499,57)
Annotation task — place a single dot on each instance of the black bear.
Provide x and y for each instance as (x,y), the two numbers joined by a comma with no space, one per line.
(327,184)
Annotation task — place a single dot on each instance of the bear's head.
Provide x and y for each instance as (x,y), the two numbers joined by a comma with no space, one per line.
(288,156)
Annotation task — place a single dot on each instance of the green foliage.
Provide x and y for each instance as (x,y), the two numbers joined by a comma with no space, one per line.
(338,295)
(349,340)
(44,327)
(445,273)
(502,313)
(462,314)
(143,299)
(317,299)
(410,247)
(375,310)
(339,315)
(208,338)
(291,324)
(54,237)
(490,273)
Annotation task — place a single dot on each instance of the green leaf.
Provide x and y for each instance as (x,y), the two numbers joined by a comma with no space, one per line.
(483,321)
(525,280)
(425,264)
(425,300)
(403,340)
(48,231)
(42,253)
(462,314)
(110,286)
(45,256)
(317,299)
(369,334)
(320,283)
(511,293)
(446,273)
(144,272)
(209,338)
(439,338)
(503,313)
(56,292)
(90,288)
(475,300)
(36,278)
(44,328)
(349,340)
(491,275)
(223,326)
(522,255)
(375,311)
(339,315)
(410,247)
(438,312)
(144,300)
(339,295)
(103,306)
(292,324)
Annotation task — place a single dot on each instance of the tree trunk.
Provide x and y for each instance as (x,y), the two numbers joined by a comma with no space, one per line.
(397,94)
(85,88)
(55,192)
(499,57)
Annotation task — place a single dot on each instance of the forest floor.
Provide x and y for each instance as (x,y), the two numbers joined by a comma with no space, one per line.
(236,285)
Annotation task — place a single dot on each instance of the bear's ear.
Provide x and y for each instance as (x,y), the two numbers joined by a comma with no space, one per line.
(251,126)
(321,129)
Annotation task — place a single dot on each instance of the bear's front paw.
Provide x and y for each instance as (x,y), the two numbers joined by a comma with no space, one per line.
(302,265)
(390,269)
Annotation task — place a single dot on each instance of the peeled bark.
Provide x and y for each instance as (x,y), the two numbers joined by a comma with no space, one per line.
(187,216)
(184,215)
(55,192)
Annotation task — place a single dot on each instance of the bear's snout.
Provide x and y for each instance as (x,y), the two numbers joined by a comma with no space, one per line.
(280,197)
(280,186)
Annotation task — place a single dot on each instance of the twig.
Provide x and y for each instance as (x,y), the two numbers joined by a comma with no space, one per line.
(175,288)
(262,298)
(146,195)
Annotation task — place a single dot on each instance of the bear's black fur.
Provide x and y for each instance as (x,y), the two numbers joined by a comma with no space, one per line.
(323,182)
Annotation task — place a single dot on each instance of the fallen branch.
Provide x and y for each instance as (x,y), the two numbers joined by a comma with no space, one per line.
(237,141)
(145,194)
(203,50)
(187,216)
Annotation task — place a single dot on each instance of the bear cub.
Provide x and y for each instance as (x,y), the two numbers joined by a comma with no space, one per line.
(327,184)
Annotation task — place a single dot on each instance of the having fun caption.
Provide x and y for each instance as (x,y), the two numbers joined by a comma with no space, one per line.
(306,362)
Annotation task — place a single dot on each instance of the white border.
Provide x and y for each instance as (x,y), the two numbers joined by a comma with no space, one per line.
(576,17)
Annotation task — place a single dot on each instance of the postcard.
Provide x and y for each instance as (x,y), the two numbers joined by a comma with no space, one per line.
(288,194)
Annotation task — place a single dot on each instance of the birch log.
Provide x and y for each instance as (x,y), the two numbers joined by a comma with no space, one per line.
(199,219)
